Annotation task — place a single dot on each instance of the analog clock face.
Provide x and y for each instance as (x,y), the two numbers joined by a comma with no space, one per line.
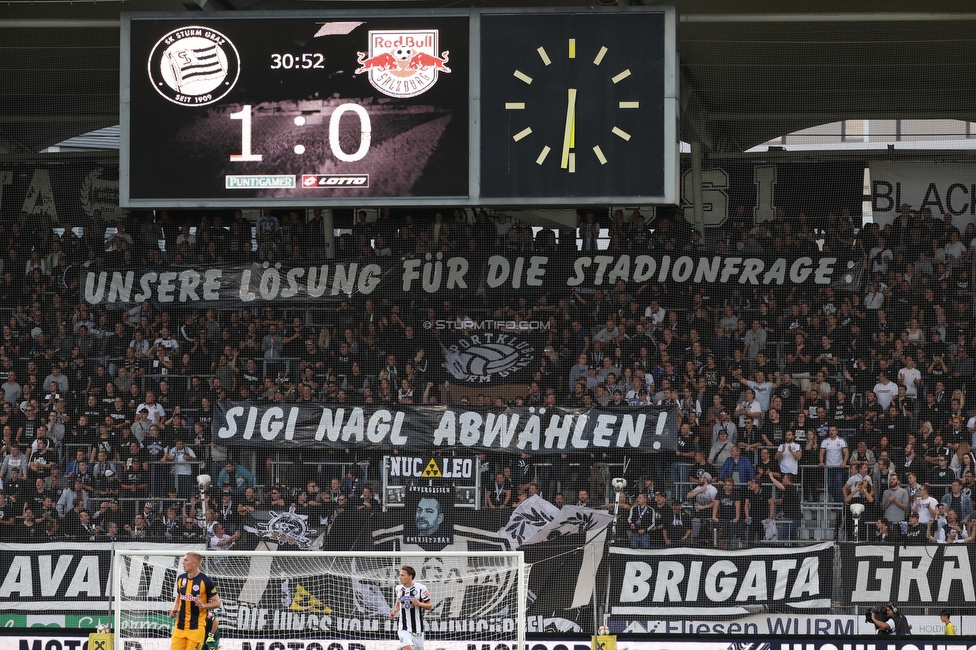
(572,105)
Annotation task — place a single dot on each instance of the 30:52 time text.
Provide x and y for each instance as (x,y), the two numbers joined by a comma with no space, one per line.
(306,61)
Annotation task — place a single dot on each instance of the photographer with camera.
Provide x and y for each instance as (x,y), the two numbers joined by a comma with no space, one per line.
(893,623)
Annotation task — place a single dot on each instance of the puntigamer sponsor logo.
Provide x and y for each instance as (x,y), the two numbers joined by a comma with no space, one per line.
(232,182)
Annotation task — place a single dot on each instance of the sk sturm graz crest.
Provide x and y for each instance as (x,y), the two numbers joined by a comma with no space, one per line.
(194,66)
(402,63)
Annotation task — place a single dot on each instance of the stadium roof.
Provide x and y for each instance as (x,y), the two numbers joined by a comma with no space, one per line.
(751,70)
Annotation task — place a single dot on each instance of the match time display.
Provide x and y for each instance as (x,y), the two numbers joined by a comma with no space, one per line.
(298,108)
(494,107)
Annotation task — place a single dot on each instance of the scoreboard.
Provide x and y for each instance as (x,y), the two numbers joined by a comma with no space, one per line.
(486,107)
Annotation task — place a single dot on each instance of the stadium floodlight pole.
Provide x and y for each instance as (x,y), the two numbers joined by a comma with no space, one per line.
(619,485)
(522,589)
(596,610)
(477,485)
(116,597)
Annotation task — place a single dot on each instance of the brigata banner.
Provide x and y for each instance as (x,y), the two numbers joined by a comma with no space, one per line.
(236,285)
(908,575)
(944,188)
(421,429)
(714,582)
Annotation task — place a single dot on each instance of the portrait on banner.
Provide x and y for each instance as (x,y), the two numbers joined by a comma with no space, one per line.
(429,516)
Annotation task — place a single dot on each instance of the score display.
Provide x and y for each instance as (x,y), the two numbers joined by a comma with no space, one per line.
(354,109)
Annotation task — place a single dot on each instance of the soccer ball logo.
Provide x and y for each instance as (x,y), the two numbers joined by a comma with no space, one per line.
(403,56)
(475,360)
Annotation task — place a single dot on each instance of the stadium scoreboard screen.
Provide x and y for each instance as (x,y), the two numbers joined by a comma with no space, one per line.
(542,107)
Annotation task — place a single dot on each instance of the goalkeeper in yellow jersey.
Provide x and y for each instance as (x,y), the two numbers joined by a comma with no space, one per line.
(196,596)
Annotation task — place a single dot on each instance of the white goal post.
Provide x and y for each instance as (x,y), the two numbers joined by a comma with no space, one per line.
(311,600)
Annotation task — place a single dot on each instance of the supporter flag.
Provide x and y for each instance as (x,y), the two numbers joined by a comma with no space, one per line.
(369,600)
(571,554)
(851,277)
(536,520)
(533,515)
(567,542)
(490,357)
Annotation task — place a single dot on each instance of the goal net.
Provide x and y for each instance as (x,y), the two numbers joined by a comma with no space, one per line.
(327,601)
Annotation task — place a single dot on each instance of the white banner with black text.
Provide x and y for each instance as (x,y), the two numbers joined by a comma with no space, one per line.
(423,429)
(713,582)
(944,188)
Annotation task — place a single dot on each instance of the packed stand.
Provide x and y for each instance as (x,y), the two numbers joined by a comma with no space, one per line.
(788,395)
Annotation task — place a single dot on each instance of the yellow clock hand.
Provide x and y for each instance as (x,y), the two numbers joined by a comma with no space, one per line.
(568,131)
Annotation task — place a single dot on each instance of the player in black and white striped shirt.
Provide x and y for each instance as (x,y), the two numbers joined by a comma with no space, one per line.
(412,598)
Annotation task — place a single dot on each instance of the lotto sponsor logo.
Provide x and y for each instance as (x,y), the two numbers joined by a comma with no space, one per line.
(286,181)
(311,181)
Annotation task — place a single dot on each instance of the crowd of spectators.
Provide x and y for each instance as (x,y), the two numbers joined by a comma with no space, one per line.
(785,393)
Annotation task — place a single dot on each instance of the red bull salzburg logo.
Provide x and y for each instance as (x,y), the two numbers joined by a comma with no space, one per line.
(403,64)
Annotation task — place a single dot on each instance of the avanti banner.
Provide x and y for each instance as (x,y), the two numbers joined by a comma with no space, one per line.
(62,577)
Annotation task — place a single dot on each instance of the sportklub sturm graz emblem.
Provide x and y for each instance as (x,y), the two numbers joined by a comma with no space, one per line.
(402,63)
(194,66)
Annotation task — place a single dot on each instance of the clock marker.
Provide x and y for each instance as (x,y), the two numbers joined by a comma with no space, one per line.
(572,48)
(629,104)
(521,76)
(599,155)
(621,76)
(572,163)
(620,133)
(569,128)
(524,132)
(514,106)
(599,56)
(542,155)
(543,55)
